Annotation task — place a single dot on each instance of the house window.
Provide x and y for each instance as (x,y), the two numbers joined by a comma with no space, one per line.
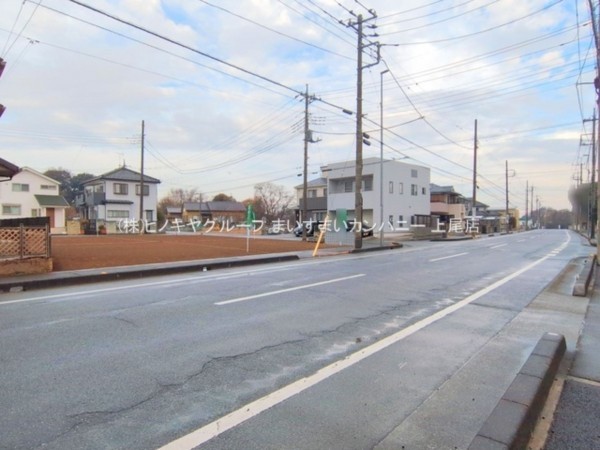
(325,192)
(146,189)
(424,191)
(391,187)
(312,193)
(20,187)
(391,220)
(120,188)
(368,184)
(36,212)
(348,186)
(401,222)
(414,173)
(414,190)
(117,214)
(48,187)
(11,210)
(400,188)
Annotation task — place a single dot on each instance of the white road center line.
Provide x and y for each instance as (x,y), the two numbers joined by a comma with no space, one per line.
(497,246)
(246,412)
(281,291)
(448,257)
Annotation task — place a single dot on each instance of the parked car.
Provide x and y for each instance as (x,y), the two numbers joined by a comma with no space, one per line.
(366,229)
(311,228)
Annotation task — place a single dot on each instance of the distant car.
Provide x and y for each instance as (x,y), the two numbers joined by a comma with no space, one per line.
(275,230)
(366,229)
(311,228)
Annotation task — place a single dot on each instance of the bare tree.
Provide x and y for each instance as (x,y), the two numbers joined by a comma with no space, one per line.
(177,197)
(272,200)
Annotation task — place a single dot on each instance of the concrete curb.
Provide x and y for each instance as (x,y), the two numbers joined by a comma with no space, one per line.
(392,246)
(582,284)
(512,421)
(59,279)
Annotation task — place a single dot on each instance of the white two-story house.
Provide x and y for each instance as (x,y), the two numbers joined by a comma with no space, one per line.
(115,196)
(32,194)
(395,194)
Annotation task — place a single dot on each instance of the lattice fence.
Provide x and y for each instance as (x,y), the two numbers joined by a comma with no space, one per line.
(24,242)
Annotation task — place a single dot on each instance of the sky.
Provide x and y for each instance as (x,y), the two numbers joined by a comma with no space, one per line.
(220,87)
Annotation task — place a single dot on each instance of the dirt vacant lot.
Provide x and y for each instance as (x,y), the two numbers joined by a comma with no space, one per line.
(87,252)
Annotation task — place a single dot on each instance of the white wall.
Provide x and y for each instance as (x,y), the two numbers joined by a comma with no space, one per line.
(395,203)
(26,201)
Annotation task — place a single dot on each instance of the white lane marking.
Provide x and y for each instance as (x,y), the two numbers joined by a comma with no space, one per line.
(497,246)
(203,277)
(252,409)
(281,291)
(448,257)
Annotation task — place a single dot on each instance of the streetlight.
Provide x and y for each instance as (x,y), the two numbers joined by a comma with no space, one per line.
(381,157)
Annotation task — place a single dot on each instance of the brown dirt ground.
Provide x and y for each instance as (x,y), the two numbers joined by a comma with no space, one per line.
(87,252)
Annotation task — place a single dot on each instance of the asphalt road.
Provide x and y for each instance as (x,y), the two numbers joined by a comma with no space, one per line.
(410,347)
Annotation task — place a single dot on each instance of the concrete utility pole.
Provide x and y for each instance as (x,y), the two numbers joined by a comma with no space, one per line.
(474,207)
(304,175)
(358,199)
(597,87)
(527,205)
(142,182)
(507,216)
(307,139)
(382,73)
(594,198)
(532,222)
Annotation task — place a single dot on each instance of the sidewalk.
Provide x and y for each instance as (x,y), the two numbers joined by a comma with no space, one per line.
(576,422)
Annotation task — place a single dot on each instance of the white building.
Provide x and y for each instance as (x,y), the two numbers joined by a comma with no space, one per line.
(115,196)
(32,194)
(405,200)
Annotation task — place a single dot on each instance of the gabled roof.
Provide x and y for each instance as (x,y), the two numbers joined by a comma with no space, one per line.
(51,201)
(226,206)
(219,206)
(39,174)
(123,174)
(317,182)
(7,169)
(436,189)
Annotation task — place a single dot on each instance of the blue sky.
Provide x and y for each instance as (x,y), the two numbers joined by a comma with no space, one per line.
(78,84)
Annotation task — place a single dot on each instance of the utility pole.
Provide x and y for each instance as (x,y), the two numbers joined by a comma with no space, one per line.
(532,221)
(381,156)
(597,88)
(304,175)
(527,205)
(307,139)
(474,207)
(142,183)
(593,197)
(507,215)
(358,199)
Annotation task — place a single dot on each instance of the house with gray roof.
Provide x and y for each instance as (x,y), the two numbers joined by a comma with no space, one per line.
(116,196)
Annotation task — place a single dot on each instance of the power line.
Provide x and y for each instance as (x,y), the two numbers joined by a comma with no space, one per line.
(274,31)
(185,46)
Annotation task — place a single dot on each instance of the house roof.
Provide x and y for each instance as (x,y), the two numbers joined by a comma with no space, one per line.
(317,182)
(479,204)
(7,169)
(123,174)
(51,201)
(219,206)
(437,189)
